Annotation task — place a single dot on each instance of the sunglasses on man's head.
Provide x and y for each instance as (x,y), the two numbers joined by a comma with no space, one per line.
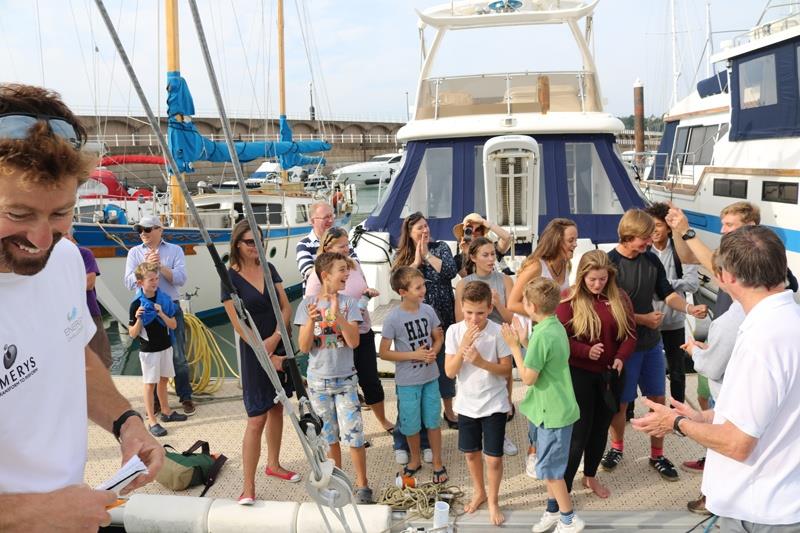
(142,229)
(18,125)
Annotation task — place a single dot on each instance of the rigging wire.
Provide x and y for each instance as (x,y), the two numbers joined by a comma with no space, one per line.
(39,38)
(84,62)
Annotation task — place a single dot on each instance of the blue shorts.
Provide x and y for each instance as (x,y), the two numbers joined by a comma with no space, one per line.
(647,370)
(485,433)
(335,400)
(552,451)
(418,406)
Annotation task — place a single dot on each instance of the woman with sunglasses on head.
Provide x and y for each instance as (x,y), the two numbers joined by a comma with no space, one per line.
(258,393)
(436,262)
(365,357)
(599,320)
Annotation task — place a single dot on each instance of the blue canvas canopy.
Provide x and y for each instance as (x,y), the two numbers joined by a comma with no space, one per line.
(187,145)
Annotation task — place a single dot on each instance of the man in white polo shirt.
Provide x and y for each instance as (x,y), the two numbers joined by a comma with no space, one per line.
(752,472)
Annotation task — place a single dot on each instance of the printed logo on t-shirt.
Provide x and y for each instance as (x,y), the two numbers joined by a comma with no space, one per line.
(75,324)
(418,336)
(17,370)
(327,334)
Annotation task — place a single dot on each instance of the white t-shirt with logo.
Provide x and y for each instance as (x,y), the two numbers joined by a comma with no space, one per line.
(480,393)
(761,396)
(44,327)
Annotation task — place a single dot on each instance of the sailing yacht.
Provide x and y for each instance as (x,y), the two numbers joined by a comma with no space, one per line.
(282,210)
(519,147)
(735,137)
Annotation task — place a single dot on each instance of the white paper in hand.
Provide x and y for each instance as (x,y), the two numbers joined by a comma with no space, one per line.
(124,476)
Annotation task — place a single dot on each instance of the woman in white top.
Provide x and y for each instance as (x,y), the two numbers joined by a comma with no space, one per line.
(550,259)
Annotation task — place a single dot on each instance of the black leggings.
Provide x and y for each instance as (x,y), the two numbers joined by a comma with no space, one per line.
(676,362)
(365,359)
(590,432)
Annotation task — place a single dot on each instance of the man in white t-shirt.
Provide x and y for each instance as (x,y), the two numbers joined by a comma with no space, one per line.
(752,471)
(49,379)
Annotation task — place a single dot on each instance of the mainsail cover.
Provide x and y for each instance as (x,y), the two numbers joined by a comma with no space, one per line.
(187,145)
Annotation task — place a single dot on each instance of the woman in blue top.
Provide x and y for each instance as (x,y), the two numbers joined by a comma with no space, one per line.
(258,392)
(437,265)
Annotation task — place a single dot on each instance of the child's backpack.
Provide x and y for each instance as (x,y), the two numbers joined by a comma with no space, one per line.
(189,469)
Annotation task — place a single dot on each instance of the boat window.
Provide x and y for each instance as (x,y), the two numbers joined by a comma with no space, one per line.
(395,159)
(723,131)
(697,140)
(730,188)
(588,186)
(206,207)
(775,191)
(757,82)
(707,150)
(265,214)
(302,214)
(679,150)
(431,193)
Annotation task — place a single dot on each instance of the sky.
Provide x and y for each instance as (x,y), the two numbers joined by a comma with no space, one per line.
(365,55)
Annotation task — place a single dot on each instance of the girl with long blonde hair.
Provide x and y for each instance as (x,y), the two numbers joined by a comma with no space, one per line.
(599,320)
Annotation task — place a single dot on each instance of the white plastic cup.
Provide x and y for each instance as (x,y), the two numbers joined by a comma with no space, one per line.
(441,515)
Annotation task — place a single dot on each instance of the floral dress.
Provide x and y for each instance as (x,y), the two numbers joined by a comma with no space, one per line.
(438,285)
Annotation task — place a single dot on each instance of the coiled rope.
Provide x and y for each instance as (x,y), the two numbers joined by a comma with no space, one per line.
(420,500)
(207,362)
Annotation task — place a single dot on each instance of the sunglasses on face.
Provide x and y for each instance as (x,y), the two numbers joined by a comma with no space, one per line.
(140,229)
(248,242)
(17,126)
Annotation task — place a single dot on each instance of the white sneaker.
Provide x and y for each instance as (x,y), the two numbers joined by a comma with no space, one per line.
(530,465)
(401,457)
(576,526)
(509,448)
(427,455)
(547,522)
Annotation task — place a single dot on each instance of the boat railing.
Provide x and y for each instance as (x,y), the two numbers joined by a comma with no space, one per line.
(509,93)
(770,28)
(149,139)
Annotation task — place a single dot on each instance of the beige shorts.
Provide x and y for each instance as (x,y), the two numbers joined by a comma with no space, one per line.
(156,365)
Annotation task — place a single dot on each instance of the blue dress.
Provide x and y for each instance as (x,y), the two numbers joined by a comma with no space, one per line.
(258,392)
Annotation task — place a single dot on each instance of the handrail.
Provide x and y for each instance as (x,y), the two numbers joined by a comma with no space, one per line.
(149,139)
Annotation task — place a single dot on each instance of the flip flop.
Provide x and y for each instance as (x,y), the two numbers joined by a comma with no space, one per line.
(390,431)
(410,472)
(291,477)
(246,500)
(439,474)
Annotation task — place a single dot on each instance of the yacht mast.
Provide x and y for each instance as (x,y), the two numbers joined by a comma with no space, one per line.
(675,72)
(281,78)
(176,200)
(709,40)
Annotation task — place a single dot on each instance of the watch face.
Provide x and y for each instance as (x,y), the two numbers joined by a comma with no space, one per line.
(689,234)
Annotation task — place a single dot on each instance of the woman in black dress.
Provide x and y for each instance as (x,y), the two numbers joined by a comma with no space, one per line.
(438,267)
(258,392)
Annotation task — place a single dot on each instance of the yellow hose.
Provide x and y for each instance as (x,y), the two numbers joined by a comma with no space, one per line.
(206,363)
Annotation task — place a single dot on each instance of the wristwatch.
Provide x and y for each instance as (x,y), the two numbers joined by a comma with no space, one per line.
(116,427)
(690,234)
(676,426)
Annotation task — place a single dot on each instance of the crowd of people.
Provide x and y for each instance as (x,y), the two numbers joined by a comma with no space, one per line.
(585,346)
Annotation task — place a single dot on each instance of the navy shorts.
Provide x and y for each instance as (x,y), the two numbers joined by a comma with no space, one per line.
(485,433)
(646,369)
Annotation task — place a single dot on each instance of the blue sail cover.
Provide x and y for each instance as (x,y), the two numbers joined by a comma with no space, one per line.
(187,145)
(295,157)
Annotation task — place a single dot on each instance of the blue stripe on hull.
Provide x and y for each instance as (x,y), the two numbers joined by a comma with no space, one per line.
(713,224)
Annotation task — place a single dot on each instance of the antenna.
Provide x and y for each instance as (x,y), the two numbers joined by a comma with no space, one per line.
(311,111)
(675,70)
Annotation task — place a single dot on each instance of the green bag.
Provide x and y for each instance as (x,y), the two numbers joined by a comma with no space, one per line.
(189,469)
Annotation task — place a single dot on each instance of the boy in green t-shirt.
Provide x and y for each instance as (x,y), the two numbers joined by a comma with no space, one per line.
(549,402)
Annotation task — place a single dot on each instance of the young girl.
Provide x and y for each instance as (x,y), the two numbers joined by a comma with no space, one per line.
(480,263)
(599,320)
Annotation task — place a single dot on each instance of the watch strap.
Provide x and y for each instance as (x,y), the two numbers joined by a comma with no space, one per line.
(116,427)
(676,426)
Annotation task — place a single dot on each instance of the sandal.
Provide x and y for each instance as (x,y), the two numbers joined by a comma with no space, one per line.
(440,476)
(291,477)
(410,472)
(390,431)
